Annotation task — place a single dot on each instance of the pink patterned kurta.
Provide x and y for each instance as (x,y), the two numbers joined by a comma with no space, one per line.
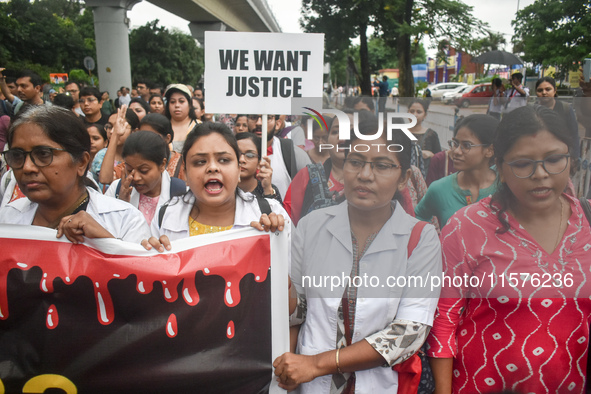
(530,339)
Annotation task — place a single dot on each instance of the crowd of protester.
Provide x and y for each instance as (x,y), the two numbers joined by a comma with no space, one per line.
(153,167)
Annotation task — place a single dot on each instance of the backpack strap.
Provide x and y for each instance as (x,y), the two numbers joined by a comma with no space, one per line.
(288,153)
(586,208)
(118,189)
(410,370)
(264,205)
(161,213)
(178,187)
(177,169)
(415,237)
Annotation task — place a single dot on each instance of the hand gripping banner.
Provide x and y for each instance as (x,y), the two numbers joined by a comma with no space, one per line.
(109,317)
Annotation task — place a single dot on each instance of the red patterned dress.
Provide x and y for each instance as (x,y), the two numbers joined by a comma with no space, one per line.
(529,338)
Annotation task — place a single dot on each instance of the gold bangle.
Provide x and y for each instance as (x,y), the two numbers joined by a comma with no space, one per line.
(337,360)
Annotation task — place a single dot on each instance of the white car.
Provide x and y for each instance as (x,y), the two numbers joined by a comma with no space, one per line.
(450,97)
(439,89)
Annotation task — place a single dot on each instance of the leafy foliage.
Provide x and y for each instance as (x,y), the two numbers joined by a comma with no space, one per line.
(341,21)
(45,35)
(400,24)
(479,45)
(554,32)
(383,56)
(164,56)
(56,35)
(405,23)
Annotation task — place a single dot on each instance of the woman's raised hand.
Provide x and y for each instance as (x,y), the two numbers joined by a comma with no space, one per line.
(126,188)
(121,126)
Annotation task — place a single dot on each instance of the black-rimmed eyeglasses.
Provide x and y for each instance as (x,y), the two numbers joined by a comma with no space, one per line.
(42,156)
(553,165)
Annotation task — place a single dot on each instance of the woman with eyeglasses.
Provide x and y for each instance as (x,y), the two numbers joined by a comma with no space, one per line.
(256,173)
(525,327)
(49,155)
(472,151)
(352,332)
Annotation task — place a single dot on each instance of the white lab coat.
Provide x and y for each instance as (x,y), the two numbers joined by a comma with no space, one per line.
(119,218)
(135,196)
(281,177)
(322,246)
(8,184)
(175,223)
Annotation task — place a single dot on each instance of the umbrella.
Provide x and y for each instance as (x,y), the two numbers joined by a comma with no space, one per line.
(498,57)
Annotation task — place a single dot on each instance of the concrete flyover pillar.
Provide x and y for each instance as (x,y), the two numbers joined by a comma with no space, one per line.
(198,29)
(111,30)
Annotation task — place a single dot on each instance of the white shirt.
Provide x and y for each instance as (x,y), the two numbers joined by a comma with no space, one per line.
(124,100)
(175,224)
(135,196)
(119,218)
(281,177)
(492,107)
(8,184)
(322,247)
(515,99)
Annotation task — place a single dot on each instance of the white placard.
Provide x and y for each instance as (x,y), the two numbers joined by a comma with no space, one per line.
(259,73)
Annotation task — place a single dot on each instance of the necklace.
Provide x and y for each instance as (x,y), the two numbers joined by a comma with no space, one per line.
(560,225)
(71,209)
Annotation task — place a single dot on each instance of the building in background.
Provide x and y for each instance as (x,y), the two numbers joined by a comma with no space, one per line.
(456,62)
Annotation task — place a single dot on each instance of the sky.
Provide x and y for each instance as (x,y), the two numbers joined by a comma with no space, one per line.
(498,14)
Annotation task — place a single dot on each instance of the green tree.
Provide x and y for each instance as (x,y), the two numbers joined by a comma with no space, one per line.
(404,23)
(164,56)
(554,32)
(401,24)
(479,45)
(383,56)
(341,21)
(45,35)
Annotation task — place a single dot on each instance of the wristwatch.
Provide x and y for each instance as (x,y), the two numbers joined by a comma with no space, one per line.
(272,195)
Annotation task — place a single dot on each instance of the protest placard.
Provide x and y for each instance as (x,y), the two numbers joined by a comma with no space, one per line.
(259,73)
(111,317)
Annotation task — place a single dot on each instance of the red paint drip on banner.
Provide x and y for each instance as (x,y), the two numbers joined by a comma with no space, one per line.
(230,330)
(231,260)
(171,326)
(52,319)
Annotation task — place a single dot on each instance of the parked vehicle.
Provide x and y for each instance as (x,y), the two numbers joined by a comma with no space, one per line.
(478,95)
(451,97)
(439,89)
